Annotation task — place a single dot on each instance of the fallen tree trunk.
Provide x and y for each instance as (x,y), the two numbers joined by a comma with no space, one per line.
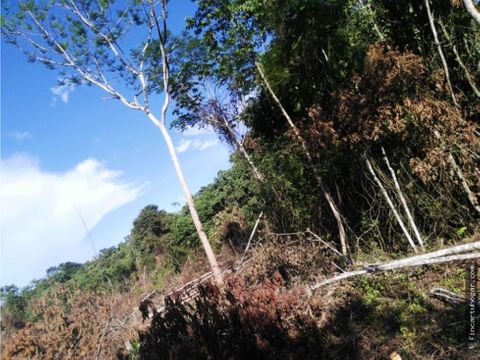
(456,253)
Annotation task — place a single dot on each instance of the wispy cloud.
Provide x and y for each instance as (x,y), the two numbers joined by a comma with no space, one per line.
(197,139)
(19,135)
(200,145)
(39,213)
(61,92)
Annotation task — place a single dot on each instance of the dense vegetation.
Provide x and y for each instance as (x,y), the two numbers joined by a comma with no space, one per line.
(331,107)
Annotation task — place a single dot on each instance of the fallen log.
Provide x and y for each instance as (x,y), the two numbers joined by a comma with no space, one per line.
(455,253)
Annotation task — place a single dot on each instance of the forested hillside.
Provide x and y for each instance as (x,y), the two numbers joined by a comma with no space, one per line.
(354,133)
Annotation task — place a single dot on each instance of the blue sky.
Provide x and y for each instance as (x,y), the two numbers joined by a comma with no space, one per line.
(65,153)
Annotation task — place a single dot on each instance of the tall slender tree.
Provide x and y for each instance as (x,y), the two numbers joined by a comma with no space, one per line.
(89,42)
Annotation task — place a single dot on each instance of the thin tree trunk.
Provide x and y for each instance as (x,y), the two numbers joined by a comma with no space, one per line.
(326,193)
(244,152)
(472,10)
(247,157)
(403,201)
(391,205)
(250,240)
(469,78)
(467,73)
(188,197)
(440,51)
(470,194)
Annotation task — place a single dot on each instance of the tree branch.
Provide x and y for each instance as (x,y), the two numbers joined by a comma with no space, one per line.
(252,234)
(460,62)
(403,201)
(391,205)
(440,51)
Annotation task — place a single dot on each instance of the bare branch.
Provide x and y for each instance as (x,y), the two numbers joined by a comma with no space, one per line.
(391,205)
(469,78)
(440,52)
(458,171)
(165,66)
(252,234)
(84,73)
(111,43)
(403,201)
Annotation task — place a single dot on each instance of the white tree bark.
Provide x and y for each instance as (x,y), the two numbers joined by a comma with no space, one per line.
(403,201)
(326,193)
(470,194)
(472,10)
(252,234)
(189,199)
(391,205)
(247,157)
(440,51)
(469,78)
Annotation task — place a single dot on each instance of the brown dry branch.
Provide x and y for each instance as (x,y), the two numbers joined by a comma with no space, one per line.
(72,325)
(187,291)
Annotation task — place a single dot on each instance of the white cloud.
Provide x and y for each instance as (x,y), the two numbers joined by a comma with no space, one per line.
(200,145)
(197,139)
(183,145)
(208,144)
(39,213)
(19,135)
(62,92)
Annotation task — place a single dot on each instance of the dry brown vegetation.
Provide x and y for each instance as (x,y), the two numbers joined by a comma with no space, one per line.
(264,314)
(74,325)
